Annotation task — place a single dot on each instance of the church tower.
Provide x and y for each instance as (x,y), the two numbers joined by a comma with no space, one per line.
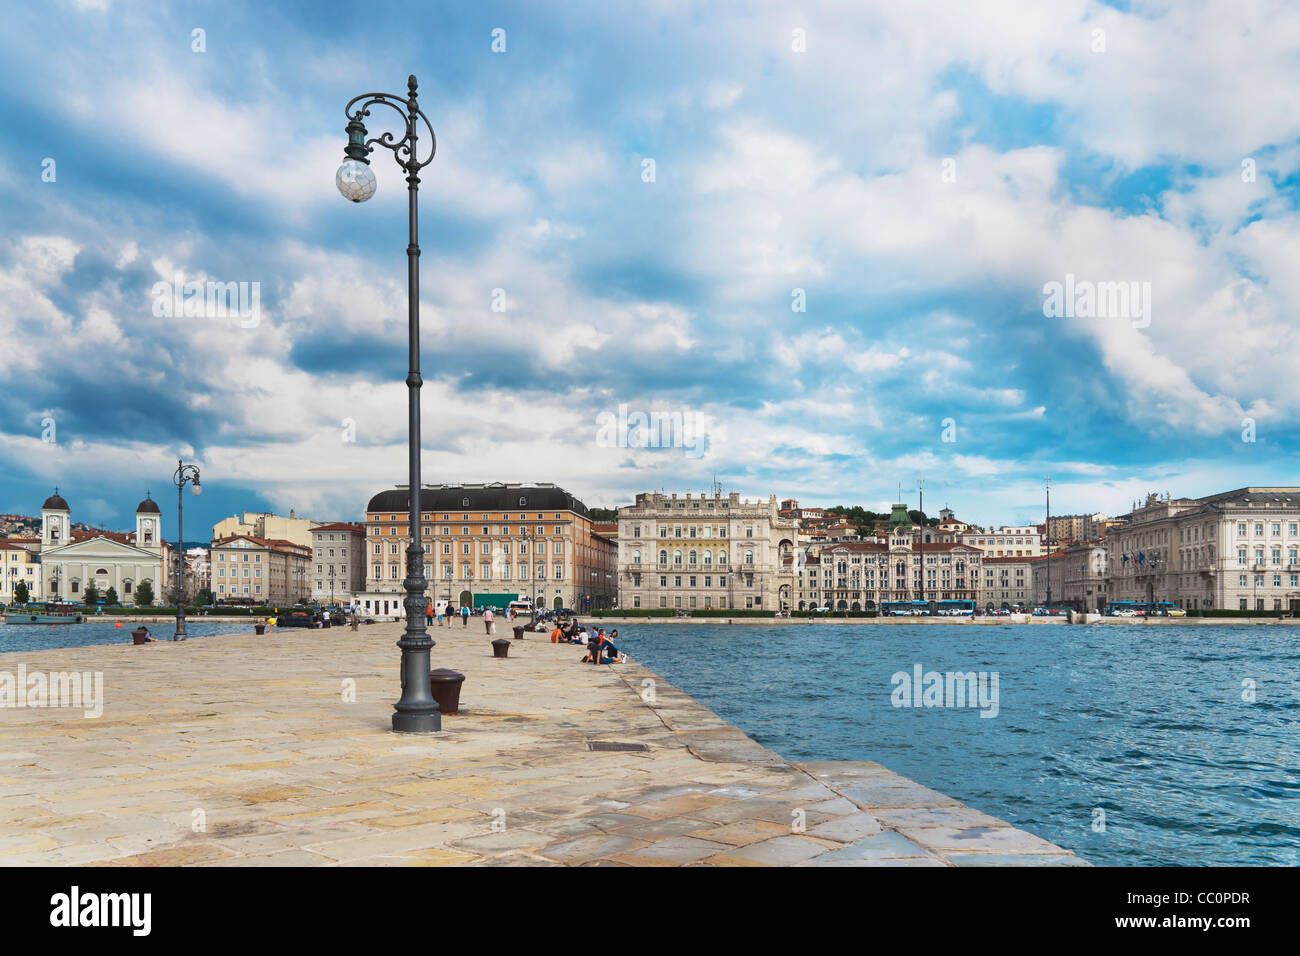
(56,522)
(148,525)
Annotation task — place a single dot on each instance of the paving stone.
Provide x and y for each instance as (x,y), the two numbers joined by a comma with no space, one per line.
(778,851)
(675,851)
(742,834)
(1014,859)
(1004,839)
(887,844)
(846,829)
(588,848)
(658,829)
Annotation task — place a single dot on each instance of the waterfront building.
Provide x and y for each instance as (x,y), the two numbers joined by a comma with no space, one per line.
(1006,542)
(70,560)
(260,571)
(1074,528)
(20,561)
(267,526)
(338,561)
(1076,574)
(906,564)
(705,551)
(1007,582)
(1237,549)
(198,572)
(489,544)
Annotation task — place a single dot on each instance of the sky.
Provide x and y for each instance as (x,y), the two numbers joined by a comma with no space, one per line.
(799,249)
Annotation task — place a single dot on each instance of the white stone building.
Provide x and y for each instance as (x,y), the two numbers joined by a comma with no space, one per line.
(1235,550)
(72,560)
(705,551)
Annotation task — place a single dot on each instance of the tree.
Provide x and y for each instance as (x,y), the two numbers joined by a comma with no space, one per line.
(205,596)
(110,597)
(20,593)
(143,594)
(91,595)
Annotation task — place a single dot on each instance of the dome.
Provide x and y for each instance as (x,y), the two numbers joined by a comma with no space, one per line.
(55,503)
(148,507)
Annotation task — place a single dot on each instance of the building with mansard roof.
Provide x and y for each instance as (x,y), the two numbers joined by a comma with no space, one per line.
(1238,550)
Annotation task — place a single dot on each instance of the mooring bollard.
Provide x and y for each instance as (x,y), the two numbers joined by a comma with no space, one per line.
(259,628)
(500,647)
(519,632)
(444,684)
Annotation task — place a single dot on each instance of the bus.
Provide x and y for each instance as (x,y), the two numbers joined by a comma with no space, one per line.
(1139,608)
(927,608)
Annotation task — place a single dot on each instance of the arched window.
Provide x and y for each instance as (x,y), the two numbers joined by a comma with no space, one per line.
(722,557)
(677,557)
(636,557)
(663,557)
(749,557)
(708,557)
(102,571)
(693,557)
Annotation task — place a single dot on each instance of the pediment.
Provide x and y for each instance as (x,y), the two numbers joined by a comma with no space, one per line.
(97,548)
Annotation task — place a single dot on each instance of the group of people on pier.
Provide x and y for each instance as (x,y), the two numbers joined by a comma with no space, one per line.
(601,649)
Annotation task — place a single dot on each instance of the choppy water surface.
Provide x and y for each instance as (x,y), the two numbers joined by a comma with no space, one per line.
(31,637)
(1145,723)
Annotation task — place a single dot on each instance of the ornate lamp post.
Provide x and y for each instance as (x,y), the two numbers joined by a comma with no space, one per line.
(185,474)
(416,711)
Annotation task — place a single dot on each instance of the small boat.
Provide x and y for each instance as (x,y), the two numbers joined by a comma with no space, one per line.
(52,613)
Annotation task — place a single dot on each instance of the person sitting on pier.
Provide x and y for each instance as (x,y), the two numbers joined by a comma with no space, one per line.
(612,654)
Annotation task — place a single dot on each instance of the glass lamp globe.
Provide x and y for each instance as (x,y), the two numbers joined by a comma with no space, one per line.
(196,488)
(355,180)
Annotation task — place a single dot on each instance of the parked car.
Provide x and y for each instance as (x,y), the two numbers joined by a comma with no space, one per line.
(297,617)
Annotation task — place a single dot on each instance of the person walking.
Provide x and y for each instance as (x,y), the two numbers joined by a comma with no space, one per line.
(488,618)
(355,615)
(440,610)
(428,614)
(464,615)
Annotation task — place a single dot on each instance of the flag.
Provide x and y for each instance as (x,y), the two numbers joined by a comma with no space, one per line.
(1142,558)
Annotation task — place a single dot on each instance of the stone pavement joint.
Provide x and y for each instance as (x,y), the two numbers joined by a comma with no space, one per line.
(245,751)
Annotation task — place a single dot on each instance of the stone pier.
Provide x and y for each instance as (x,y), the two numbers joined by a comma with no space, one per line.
(248,751)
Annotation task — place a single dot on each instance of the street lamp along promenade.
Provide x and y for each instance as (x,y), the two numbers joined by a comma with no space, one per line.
(416,712)
(185,474)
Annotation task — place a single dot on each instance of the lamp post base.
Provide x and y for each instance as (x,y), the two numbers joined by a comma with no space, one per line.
(418,723)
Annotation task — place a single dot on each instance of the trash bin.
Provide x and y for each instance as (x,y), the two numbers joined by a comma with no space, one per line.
(259,628)
(444,684)
(500,647)
(519,632)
